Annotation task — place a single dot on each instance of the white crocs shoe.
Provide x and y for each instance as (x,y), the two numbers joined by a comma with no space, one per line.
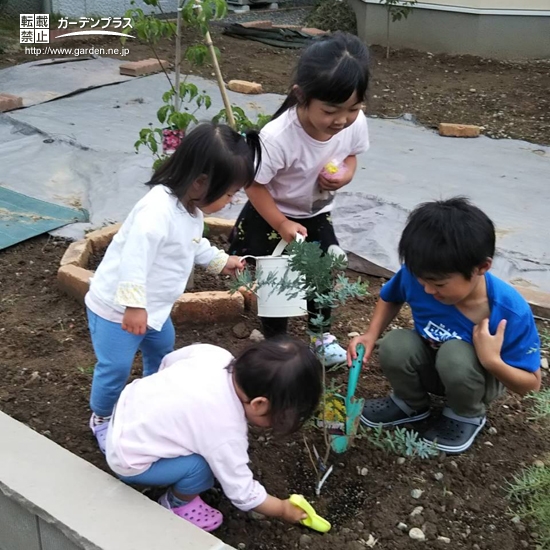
(332,351)
(335,250)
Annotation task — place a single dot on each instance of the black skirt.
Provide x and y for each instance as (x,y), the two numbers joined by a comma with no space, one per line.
(253,235)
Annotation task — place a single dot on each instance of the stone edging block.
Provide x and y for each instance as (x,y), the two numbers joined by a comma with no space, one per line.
(219,226)
(143,67)
(207,307)
(101,238)
(459,130)
(77,254)
(245,87)
(191,307)
(74,281)
(9,102)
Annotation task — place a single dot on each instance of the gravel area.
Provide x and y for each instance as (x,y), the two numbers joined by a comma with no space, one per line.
(285,15)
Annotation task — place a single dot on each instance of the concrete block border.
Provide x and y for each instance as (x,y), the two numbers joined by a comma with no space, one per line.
(51,499)
(73,277)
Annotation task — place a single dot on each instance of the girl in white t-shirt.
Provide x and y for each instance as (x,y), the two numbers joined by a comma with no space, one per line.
(148,263)
(187,424)
(321,122)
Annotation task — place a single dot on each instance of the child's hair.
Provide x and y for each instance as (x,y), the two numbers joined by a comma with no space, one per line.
(445,237)
(215,151)
(330,70)
(286,372)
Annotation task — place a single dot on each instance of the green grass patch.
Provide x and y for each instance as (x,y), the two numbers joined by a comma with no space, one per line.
(539,404)
(529,494)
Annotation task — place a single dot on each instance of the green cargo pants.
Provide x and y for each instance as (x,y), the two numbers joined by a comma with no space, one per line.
(415,369)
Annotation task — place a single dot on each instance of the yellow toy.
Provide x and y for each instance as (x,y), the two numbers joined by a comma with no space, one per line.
(313,521)
(332,168)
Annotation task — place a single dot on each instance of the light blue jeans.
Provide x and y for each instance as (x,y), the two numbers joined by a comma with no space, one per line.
(115,350)
(188,475)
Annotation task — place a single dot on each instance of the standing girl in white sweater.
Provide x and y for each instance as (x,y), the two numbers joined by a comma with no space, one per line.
(148,263)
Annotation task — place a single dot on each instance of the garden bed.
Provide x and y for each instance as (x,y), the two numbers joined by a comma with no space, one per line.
(47,361)
(206,300)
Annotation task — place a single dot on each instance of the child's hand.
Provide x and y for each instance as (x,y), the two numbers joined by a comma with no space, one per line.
(234,265)
(488,346)
(134,320)
(368,341)
(292,513)
(289,229)
(335,181)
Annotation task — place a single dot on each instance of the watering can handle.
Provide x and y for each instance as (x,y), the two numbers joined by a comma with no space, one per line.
(279,249)
(354,371)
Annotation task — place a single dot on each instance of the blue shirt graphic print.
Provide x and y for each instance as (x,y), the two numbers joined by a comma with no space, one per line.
(437,322)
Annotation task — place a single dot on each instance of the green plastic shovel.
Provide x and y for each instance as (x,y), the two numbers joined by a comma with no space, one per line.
(354,406)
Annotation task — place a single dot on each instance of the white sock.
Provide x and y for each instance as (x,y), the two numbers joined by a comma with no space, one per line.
(174,501)
(97,420)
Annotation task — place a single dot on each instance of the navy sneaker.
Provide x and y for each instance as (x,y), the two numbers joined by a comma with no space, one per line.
(453,433)
(390,411)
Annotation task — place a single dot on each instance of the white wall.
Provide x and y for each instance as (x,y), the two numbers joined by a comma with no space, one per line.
(494,4)
(51,499)
(481,6)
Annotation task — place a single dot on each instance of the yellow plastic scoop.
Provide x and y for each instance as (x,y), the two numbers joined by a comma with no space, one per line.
(313,521)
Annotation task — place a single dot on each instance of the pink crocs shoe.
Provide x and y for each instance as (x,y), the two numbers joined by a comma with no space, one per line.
(196,512)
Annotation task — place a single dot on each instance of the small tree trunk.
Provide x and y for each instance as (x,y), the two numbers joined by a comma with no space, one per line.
(219,77)
(178,61)
(388,35)
(221,84)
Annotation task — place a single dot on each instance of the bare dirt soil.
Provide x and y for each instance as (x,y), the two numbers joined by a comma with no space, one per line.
(47,362)
(47,359)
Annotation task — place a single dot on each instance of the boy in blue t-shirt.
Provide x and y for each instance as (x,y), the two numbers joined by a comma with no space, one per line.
(474,335)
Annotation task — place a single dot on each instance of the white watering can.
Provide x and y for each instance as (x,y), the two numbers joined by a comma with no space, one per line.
(272,302)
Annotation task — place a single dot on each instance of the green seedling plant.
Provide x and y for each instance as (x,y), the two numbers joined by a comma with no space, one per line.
(242,122)
(322,280)
(182,100)
(190,98)
(401,442)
